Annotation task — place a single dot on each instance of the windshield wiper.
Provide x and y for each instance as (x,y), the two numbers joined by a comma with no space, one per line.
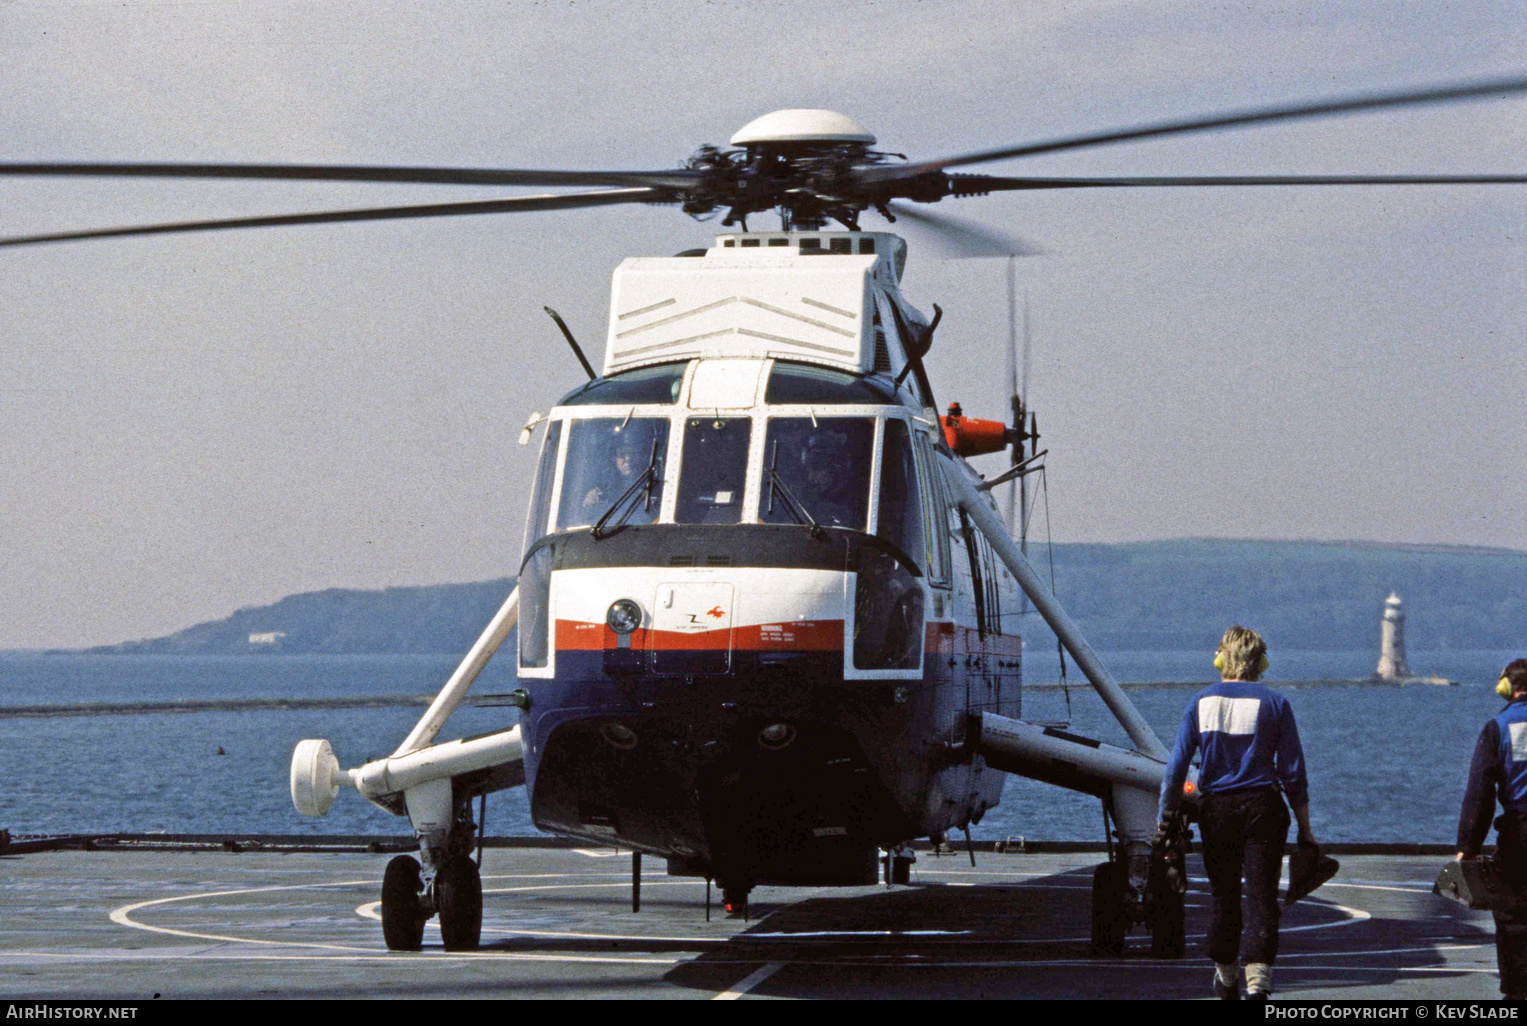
(793,506)
(646,479)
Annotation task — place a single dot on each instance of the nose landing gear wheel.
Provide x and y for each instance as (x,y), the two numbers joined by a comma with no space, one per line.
(458,895)
(402,915)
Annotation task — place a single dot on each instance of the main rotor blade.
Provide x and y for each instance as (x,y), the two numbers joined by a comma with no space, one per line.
(1231,119)
(970,185)
(679,178)
(963,240)
(518,204)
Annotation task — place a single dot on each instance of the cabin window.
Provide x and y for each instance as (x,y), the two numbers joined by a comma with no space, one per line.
(977,582)
(901,519)
(803,385)
(993,589)
(888,614)
(614,465)
(643,386)
(715,470)
(540,502)
(817,469)
(935,515)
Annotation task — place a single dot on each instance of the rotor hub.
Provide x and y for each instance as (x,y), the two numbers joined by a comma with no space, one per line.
(801,126)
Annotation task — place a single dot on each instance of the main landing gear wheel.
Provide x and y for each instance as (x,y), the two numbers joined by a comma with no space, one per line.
(458,896)
(402,915)
(1110,919)
(1168,918)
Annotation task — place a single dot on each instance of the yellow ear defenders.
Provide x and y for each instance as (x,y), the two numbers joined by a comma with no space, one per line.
(1503,688)
(1219,664)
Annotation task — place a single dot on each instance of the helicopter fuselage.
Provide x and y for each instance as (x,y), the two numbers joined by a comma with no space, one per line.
(753,624)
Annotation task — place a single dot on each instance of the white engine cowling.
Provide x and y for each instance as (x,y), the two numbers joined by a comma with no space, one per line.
(315,773)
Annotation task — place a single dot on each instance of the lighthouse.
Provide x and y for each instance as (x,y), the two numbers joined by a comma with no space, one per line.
(1392,664)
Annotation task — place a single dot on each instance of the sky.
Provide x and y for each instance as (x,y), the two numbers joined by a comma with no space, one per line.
(196,423)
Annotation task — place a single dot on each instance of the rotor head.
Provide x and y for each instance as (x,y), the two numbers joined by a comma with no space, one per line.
(798,125)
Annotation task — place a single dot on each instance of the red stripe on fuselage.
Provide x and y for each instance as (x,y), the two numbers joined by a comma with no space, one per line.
(791,636)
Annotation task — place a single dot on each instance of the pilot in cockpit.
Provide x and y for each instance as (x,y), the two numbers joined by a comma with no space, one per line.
(829,486)
(623,470)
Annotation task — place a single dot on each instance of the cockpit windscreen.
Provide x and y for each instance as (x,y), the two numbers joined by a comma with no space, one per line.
(817,468)
(715,470)
(609,458)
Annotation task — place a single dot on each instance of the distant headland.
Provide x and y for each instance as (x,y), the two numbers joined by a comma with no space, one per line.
(1158,595)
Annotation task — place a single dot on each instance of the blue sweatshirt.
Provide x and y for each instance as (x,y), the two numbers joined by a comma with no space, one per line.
(1247,734)
(1498,770)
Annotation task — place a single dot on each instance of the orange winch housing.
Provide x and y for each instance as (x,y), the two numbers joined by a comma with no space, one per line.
(969,436)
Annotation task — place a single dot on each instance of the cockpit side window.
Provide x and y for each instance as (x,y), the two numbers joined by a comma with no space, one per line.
(817,468)
(609,458)
(714,474)
(540,502)
(901,520)
(644,386)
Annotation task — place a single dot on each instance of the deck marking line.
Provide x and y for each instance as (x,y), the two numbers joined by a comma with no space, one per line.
(1195,965)
(148,955)
(123,916)
(750,981)
(372,910)
(1386,951)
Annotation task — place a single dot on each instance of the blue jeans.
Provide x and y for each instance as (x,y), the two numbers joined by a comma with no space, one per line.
(1244,833)
(1511,927)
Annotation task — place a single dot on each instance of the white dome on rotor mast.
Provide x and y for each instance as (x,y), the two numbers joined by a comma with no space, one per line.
(801,125)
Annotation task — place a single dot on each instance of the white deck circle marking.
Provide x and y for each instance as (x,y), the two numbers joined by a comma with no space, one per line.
(372,910)
(124,916)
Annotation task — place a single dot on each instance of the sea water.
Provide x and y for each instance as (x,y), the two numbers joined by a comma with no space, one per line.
(1386,762)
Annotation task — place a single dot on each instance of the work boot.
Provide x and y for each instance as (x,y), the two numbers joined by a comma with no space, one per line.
(1258,981)
(1227,981)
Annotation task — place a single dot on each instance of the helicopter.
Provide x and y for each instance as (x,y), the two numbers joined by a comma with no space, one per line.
(767,610)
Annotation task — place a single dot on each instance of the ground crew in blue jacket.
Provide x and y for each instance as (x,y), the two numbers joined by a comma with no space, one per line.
(1251,761)
(1499,772)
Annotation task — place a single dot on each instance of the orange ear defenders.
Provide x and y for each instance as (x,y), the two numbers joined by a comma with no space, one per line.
(1219,664)
(1503,688)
